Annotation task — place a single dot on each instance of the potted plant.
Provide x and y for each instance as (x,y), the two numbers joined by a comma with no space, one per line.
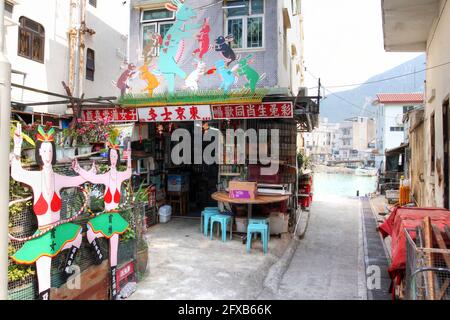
(127,246)
(81,136)
(142,258)
(98,133)
(69,136)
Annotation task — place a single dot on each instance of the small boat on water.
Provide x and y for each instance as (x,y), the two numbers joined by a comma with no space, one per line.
(366,172)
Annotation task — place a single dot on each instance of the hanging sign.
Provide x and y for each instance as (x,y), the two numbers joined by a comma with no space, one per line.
(125,135)
(175,114)
(113,115)
(254,111)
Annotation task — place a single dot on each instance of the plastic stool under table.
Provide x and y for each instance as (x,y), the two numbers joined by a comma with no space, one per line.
(224,221)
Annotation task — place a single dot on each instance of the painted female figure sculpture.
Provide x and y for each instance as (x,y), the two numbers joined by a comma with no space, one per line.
(110,224)
(52,236)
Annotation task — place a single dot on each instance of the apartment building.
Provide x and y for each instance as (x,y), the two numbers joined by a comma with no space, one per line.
(320,144)
(355,138)
(269,33)
(422,26)
(391,110)
(81,42)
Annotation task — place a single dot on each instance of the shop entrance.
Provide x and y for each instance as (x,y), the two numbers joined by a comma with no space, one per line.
(190,186)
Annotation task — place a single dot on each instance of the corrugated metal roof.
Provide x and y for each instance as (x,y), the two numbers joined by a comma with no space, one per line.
(386,98)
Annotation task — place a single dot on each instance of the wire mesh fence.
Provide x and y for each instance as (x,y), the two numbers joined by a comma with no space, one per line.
(427,271)
(22,279)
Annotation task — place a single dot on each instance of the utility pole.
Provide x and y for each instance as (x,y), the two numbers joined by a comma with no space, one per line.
(5,115)
(319,92)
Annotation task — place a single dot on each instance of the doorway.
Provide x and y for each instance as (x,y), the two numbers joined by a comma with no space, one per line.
(201,179)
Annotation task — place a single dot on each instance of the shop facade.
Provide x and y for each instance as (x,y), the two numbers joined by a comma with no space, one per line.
(234,85)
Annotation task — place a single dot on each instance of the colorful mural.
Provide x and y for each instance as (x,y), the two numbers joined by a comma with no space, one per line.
(172,48)
(212,56)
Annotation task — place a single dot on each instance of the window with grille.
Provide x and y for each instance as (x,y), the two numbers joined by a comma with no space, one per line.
(90,64)
(397,129)
(9,7)
(245,21)
(154,23)
(31,40)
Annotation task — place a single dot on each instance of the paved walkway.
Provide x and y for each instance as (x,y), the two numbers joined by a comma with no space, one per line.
(329,261)
(184,265)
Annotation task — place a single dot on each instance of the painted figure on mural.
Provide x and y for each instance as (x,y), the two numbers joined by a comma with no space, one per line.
(194,77)
(149,78)
(228,77)
(172,48)
(251,75)
(111,224)
(203,40)
(122,82)
(223,45)
(53,235)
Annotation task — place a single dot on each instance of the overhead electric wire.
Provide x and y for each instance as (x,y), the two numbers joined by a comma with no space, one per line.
(386,79)
(209,5)
(354,105)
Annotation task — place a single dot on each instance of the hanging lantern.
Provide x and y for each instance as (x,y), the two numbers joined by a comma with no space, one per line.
(160,129)
(205,128)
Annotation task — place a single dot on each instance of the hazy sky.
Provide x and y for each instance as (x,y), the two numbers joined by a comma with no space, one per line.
(344,42)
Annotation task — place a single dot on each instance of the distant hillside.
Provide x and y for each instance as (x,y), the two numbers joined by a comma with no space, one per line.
(337,110)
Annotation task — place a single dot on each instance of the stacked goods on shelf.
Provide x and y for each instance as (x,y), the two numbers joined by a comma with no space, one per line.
(305,191)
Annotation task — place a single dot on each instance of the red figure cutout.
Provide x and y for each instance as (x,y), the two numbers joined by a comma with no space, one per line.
(109,197)
(41,206)
(203,39)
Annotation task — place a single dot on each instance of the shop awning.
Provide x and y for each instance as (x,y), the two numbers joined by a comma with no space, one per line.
(263,104)
(397,151)
(408,23)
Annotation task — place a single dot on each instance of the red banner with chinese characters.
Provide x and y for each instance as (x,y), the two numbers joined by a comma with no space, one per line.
(254,111)
(113,115)
(175,114)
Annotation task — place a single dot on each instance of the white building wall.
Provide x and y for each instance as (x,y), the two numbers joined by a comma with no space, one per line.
(54,16)
(437,91)
(393,118)
(110,20)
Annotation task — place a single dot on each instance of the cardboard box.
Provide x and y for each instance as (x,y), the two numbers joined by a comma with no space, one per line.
(243,190)
(279,223)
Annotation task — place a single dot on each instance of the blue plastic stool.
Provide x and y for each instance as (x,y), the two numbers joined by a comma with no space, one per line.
(262,221)
(205,218)
(263,229)
(224,221)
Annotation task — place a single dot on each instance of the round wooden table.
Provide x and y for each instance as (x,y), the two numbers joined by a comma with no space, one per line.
(260,199)
(224,197)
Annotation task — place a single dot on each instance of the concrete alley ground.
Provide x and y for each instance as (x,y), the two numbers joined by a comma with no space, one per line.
(327,264)
(185,265)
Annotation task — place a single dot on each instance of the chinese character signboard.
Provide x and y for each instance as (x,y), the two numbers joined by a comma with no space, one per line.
(254,111)
(113,115)
(175,114)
